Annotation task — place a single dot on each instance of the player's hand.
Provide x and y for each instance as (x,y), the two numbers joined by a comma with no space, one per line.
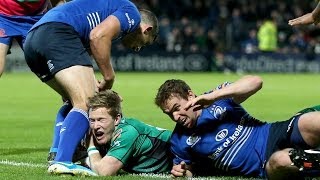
(199,102)
(180,170)
(89,138)
(105,84)
(96,89)
(303,20)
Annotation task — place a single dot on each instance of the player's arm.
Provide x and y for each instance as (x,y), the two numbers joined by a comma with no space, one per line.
(309,18)
(106,166)
(100,44)
(240,90)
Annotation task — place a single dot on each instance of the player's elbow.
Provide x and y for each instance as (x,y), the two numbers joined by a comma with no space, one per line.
(256,82)
(94,35)
(102,170)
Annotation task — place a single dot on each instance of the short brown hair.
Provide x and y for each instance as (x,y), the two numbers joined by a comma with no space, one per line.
(150,18)
(107,99)
(171,88)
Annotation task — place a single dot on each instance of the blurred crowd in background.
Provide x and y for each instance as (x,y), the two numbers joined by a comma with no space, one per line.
(246,26)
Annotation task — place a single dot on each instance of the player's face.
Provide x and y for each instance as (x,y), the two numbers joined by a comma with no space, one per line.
(137,40)
(175,110)
(102,125)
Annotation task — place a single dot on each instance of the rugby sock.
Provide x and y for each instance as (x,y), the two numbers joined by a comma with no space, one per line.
(73,129)
(62,113)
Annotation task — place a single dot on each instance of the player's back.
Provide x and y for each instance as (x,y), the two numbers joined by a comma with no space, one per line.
(146,129)
(149,146)
(23,7)
(84,15)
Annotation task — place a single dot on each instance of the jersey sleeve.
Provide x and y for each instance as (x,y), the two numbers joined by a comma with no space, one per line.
(129,18)
(123,144)
(223,85)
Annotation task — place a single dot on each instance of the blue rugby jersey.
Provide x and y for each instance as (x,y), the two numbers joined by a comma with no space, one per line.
(84,15)
(226,135)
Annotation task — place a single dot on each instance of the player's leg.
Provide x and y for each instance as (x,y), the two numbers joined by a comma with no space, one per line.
(4,47)
(62,113)
(308,160)
(78,82)
(309,127)
(279,166)
(61,61)
(302,133)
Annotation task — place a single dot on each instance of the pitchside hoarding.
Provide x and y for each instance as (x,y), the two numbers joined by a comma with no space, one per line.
(158,61)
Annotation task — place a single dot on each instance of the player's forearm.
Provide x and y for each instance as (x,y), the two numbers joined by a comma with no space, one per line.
(239,90)
(316,14)
(94,159)
(106,166)
(101,48)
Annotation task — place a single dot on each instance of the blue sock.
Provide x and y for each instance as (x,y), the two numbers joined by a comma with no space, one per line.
(62,113)
(73,129)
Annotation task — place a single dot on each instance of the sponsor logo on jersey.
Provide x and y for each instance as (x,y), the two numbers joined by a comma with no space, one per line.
(218,112)
(130,21)
(192,140)
(116,143)
(117,134)
(222,134)
(227,141)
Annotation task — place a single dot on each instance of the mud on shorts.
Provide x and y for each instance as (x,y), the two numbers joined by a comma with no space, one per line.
(52,47)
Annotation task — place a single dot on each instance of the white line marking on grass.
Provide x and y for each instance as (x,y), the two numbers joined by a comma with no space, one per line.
(29,164)
(151,175)
(13,163)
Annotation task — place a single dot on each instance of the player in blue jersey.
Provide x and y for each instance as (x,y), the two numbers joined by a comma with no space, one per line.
(16,19)
(57,51)
(215,128)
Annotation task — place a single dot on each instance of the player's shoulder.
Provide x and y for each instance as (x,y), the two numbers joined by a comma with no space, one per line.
(130,125)
(180,133)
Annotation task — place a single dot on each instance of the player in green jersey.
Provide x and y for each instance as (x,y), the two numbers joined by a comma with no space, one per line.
(124,143)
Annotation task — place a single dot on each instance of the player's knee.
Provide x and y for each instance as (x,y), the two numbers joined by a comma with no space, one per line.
(279,160)
(81,105)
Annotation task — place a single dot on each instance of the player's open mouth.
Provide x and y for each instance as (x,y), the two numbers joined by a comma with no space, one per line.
(183,121)
(99,135)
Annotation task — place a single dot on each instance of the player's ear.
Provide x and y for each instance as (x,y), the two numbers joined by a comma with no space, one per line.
(191,95)
(147,30)
(118,119)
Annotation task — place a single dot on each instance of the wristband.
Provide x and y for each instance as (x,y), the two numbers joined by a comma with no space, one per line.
(92,150)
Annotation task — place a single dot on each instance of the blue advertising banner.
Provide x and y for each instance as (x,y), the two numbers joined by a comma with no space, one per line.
(162,61)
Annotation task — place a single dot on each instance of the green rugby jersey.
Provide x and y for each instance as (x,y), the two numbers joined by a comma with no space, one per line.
(310,109)
(141,148)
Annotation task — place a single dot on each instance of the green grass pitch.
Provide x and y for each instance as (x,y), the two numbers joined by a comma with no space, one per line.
(28,107)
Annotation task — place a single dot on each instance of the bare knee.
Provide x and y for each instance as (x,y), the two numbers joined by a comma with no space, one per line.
(279,165)
(80,103)
(279,160)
